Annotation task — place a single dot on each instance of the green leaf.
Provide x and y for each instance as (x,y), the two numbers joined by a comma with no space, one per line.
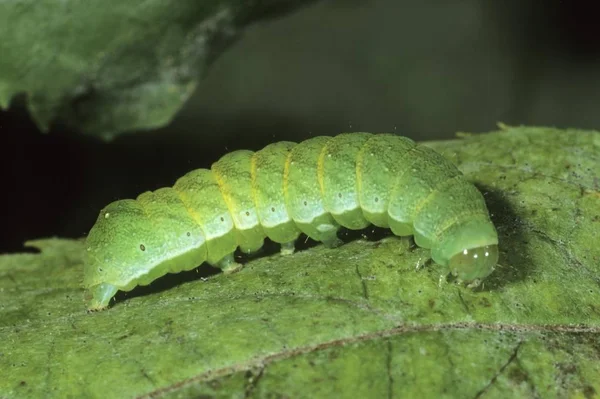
(110,66)
(355,321)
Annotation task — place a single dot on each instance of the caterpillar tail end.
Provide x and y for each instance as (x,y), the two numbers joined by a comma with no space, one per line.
(99,296)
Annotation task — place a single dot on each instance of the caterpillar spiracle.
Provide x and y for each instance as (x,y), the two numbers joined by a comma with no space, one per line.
(312,187)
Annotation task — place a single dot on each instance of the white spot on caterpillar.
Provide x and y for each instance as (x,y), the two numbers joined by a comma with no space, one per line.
(106,215)
(487,254)
(329,155)
(475,256)
(465,252)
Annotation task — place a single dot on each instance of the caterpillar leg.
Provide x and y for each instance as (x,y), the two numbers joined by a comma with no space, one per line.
(442,280)
(328,235)
(288,248)
(333,242)
(229,265)
(423,262)
(101,296)
(475,283)
(420,264)
(254,253)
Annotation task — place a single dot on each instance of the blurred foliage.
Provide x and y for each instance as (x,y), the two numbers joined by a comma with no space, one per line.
(110,66)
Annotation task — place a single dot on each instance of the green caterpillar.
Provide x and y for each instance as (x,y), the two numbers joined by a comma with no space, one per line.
(285,189)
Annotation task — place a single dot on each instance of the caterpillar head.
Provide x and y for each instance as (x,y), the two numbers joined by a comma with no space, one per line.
(469,248)
(475,263)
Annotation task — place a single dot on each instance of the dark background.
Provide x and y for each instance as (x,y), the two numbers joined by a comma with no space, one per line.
(424,69)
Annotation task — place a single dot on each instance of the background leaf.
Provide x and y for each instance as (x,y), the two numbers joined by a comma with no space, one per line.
(355,321)
(111,66)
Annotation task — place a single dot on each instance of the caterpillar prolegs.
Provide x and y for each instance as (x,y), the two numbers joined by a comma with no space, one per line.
(313,187)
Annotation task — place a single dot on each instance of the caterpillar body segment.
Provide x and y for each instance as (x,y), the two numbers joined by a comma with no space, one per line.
(233,174)
(302,191)
(268,173)
(313,187)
